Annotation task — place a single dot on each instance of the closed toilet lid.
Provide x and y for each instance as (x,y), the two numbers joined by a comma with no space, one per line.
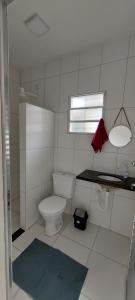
(52,205)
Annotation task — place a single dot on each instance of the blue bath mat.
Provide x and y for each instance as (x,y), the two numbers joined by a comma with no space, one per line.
(46,273)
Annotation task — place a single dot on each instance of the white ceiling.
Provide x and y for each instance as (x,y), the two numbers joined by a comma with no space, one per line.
(74,25)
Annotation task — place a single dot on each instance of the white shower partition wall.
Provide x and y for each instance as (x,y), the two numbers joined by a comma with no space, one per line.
(36,160)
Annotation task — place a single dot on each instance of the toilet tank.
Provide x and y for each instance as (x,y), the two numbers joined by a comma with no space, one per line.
(63,184)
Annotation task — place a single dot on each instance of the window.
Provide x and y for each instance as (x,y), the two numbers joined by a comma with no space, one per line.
(85,112)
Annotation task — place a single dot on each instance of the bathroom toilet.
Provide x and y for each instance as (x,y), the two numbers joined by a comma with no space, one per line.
(52,208)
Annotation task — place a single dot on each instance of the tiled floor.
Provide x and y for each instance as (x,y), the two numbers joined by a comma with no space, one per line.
(104,252)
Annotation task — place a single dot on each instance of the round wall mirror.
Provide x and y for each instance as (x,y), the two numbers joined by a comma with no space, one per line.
(120,136)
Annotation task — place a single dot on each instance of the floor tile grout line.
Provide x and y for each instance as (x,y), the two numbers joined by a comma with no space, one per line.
(111,259)
(16,293)
(90,249)
(87,298)
(16,248)
(76,242)
(98,230)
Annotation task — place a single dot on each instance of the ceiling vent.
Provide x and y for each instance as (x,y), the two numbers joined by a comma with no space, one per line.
(36,25)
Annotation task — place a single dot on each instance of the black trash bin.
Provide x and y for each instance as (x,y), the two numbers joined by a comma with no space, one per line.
(80,218)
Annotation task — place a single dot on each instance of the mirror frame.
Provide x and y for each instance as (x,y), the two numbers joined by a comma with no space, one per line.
(127,143)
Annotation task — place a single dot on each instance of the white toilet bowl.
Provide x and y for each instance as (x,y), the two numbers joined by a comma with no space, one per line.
(51,209)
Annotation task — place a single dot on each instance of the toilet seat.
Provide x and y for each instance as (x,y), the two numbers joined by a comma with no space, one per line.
(52,205)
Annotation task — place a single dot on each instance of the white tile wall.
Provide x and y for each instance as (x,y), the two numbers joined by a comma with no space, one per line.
(112,81)
(52,93)
(65,139)
(90,58)
(115,50)
(89,80)
(101,68)
(82,160)
(53,68)
(105,162)
(63,159)
(129,100)
(68,87)
(69,63)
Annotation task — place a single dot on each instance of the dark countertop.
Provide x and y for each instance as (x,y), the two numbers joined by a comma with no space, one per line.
(92,176)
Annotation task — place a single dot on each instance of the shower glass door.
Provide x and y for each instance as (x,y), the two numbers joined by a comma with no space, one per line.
(5,226)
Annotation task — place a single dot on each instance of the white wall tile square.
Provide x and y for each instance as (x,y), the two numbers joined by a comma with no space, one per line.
(109,118)
(127,159)
(131,116)
(84,183)
(90,58)
(83,159)
(38,72)
(115,50)
(52,93)
(47,164)
(53,68)
(129,149)
(63,160)
(56,129)
(38,89)
(112,81)
(65,139)
(125,193)
(47,188)
(129,99)
(89,80)
(122,215)
(82,142)
(69,63)
(81,198)
(68,87)
(105,162)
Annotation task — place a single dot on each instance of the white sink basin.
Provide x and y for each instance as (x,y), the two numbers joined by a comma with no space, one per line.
(109,178)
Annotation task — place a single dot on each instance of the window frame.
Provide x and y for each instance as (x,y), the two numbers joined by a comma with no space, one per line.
(90,107)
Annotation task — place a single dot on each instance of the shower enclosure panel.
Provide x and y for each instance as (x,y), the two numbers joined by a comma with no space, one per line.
(36,160)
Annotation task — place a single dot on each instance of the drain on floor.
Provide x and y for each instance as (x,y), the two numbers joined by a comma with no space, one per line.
(17,233)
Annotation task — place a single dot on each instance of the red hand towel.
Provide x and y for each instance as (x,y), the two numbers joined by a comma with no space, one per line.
(100,137)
